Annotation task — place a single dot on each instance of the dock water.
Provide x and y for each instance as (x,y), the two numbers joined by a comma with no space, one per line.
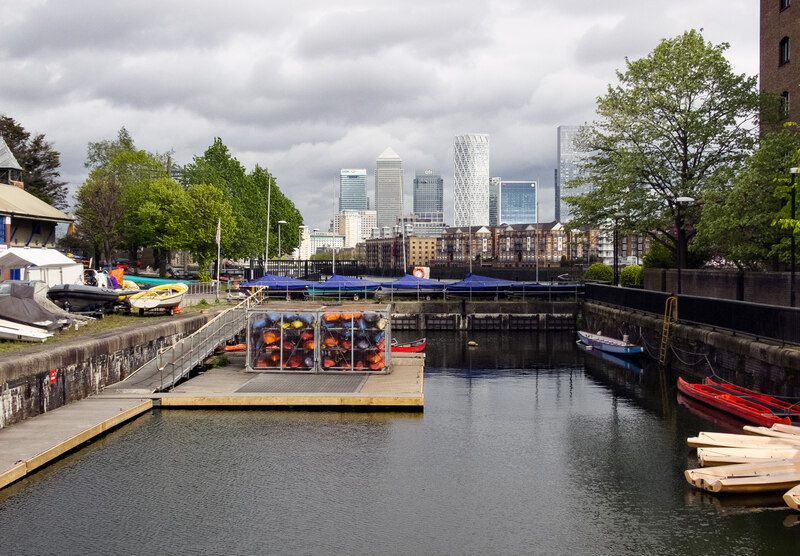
(31,444)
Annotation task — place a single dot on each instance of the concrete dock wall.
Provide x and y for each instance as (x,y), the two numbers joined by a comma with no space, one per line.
(43,377)
(701,351)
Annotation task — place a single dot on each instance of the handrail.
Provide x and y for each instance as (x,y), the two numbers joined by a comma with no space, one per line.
(200,343)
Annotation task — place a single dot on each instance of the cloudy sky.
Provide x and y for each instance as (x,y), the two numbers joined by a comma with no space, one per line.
(305,88)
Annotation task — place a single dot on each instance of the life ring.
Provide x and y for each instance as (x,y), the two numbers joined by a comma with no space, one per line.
(355,297)
(419,273)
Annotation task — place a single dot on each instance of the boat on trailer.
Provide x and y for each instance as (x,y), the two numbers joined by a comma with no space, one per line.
(750,409)
(165,296)
(607,344)
(409,347)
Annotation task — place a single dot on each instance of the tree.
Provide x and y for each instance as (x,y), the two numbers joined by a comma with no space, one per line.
(737,224)
(205,207)
(39,161)
(680,123)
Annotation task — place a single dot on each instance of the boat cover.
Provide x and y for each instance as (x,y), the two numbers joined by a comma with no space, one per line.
(411,282)
(275,282)
(26,302)
(473,282)
(345,284)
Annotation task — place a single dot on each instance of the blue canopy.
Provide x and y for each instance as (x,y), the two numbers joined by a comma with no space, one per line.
(275,282)
(410,282)
(476,283)
(338,283)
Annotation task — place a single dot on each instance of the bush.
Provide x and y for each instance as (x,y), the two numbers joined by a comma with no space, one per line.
(631,276)
(599,271)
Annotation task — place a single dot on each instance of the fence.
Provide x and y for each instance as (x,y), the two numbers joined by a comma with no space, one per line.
(756,319)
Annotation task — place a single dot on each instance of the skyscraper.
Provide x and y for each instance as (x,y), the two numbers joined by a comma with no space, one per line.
(471,179)
(494,201)
(518,202)
(569,158)
(353,189)
(388,188)
(428,194)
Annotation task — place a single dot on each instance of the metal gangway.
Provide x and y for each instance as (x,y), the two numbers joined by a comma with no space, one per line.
(175,362)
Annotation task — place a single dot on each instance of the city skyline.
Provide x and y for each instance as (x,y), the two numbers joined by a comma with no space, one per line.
(285,89)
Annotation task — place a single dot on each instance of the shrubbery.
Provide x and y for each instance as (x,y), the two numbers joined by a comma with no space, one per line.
(599,271)
(631,276)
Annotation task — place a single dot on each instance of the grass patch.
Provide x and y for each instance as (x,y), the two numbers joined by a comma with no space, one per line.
(109,322)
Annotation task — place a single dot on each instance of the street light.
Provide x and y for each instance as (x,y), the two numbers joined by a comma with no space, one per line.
(793,171)
(681,202)
(279,236)
(616,248)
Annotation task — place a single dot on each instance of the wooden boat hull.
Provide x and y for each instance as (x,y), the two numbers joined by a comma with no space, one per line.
(713,456)
(792,498)
(728,440)
(416,346)
(735,405)
(609,345)
(746,477)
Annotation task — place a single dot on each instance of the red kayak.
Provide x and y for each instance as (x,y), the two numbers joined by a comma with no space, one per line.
(752,411)
(778,406)
(411,347)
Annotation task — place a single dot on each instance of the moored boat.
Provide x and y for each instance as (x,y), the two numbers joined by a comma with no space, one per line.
(409,347)
(712,456)
(165,296)
(792,498)
(759,413)
(723,439)
(746,477)
(610,345)
(778,406)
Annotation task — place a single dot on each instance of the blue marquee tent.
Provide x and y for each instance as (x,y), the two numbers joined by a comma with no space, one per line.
(475,283)
(343,284)
(413,283)
(280,283)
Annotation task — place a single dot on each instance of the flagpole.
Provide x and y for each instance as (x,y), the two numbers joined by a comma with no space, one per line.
(219,234)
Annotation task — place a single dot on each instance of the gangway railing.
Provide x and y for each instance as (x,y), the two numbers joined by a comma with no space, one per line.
(176,361)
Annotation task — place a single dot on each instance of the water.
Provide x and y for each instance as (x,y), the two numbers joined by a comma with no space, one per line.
(527,446)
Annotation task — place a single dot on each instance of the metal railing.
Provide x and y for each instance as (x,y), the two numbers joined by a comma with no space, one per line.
(762,321)
(176,361)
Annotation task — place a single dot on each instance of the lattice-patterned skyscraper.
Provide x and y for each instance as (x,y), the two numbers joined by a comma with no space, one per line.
(471,179)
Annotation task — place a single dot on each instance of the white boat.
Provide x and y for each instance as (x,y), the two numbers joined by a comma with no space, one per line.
(165,296)
(607,344)
(723,439)
(746,477)
(16,331)
(772,432)
(788,429)
(711,456)
(792,498)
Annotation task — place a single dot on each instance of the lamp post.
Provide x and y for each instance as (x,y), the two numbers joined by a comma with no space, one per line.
(681,202)
(616,249)
(793,171)
(279,236)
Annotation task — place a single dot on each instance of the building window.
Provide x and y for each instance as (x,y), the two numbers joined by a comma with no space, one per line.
(785,104)
(785,4)
(784,51)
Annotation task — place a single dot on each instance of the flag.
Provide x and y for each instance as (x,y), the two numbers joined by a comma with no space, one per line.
(219,229)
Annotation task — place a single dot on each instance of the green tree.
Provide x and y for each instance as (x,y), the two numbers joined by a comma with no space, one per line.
(680,123)
(599,271)
(39,161)
(205,207)
(737,223)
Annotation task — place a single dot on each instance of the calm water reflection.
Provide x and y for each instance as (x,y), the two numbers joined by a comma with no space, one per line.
(527,446)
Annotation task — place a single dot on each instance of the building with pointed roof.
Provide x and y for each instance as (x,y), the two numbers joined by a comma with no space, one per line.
(27,221)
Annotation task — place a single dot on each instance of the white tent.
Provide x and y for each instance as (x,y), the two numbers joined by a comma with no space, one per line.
(47,265)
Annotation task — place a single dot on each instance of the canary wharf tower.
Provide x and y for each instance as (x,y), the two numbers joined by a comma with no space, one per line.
(471,179)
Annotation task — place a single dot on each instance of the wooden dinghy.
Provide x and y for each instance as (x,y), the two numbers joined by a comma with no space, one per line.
(792,498)
(712,456)
(724,439)
(746,477)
